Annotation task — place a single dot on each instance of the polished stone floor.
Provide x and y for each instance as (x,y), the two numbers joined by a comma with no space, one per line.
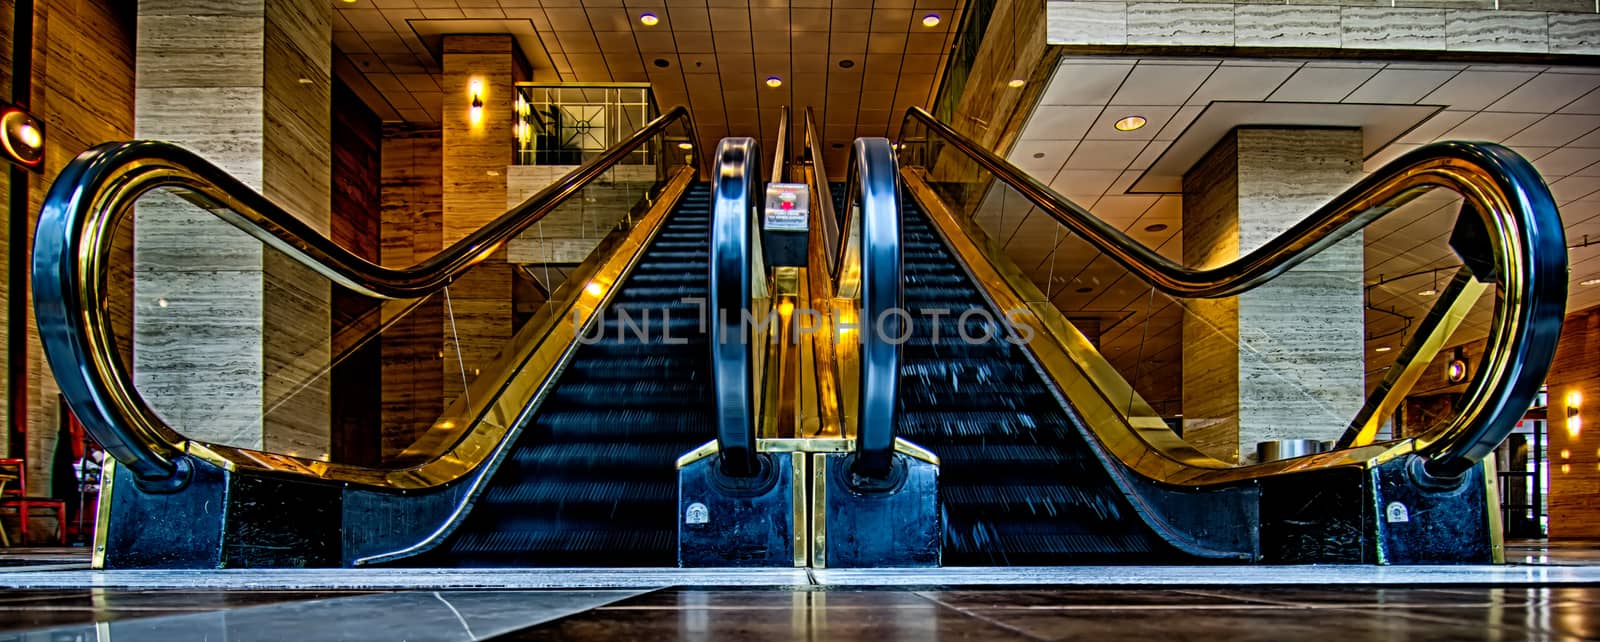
(1560,602)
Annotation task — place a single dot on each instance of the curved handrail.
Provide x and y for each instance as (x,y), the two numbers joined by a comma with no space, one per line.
(874,183)
(97,190)
(1522,224)
(733,238)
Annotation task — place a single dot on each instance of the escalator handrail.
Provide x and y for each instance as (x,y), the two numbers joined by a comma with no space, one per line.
(874,181)
(97,190)
(734,188)
(1503,188)
(780,164)
(824,205)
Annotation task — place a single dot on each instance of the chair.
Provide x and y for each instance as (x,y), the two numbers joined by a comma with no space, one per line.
(18,498)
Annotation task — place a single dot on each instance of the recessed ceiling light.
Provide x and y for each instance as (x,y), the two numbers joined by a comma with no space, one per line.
(1428,292)
(774,81)
(846,63)
(1084,290)
(1130,123)
(686,145)
(1589,282)
(1382,349)
(649,19)
(1158,227)
(1038,154)
(1016,82)
(930,20)
(662,63)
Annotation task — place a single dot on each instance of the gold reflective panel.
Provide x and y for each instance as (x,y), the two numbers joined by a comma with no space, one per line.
(478,423)
(1128,427)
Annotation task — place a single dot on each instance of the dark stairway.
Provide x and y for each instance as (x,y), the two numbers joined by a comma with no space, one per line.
(1019,484)
(593,481)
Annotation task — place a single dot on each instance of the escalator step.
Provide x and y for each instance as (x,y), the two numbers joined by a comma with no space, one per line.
(592,480)
(1019,484)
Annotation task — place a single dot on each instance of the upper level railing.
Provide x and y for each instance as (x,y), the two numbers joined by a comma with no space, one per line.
(1508,234)
(81,278)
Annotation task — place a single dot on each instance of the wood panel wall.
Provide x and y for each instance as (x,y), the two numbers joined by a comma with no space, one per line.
(357,435)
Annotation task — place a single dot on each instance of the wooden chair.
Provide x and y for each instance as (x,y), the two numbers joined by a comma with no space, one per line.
(18,499)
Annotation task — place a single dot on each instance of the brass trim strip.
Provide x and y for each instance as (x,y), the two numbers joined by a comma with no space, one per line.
(102,513)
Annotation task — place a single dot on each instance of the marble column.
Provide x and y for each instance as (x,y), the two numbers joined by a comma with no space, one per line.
(477,153)
(1283,361)
(228,335)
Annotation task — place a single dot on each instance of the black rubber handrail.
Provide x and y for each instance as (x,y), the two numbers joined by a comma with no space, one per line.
(735,185)
(872,220)
(93,193)
(1520,220)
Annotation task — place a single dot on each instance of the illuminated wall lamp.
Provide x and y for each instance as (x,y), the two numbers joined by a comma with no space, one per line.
(476,114)
(1456,370)
(1574,420)
(21,138)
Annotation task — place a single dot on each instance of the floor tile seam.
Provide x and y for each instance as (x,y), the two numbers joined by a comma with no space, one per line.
(1435,619)
(512,634)
(977,616)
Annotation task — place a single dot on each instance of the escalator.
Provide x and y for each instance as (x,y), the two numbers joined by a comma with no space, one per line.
(591,482)
(1019,485)
(555,447)
(1049,454)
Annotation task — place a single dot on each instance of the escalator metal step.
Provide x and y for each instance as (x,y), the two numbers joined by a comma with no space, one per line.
(1018,483)
(591,480)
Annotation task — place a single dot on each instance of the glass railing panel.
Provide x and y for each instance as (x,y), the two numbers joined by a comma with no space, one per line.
(234,343)
(1303,356)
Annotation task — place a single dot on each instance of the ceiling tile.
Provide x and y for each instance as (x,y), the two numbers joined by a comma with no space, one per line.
(1156,119)
(1240,83)
(1554,131)
(1105,154)
(1322,84)
(1547,92)
(1475,89)
(858,20)
(1491,126)
(1060,122)
(688,19)
(891,20)
(1085,84)
(1431,129)
(1403,86)
(1157,84)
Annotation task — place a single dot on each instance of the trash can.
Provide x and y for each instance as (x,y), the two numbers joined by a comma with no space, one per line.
(1287,449)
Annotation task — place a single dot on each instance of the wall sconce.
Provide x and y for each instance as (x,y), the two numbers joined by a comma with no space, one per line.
(476,88)
(1456,370)
(1574,420)
(21,138)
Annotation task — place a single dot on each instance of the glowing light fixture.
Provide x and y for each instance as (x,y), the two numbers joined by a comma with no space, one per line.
(786,308)
(21,137)
(1428,292)
(1016,83)
(1574,419)
(1382,349)
(1130,123)
(1589,282)
(1456,370)
(774,81)
(476,114)
(594,288)
(649,19)
(685,145)
(930,20)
